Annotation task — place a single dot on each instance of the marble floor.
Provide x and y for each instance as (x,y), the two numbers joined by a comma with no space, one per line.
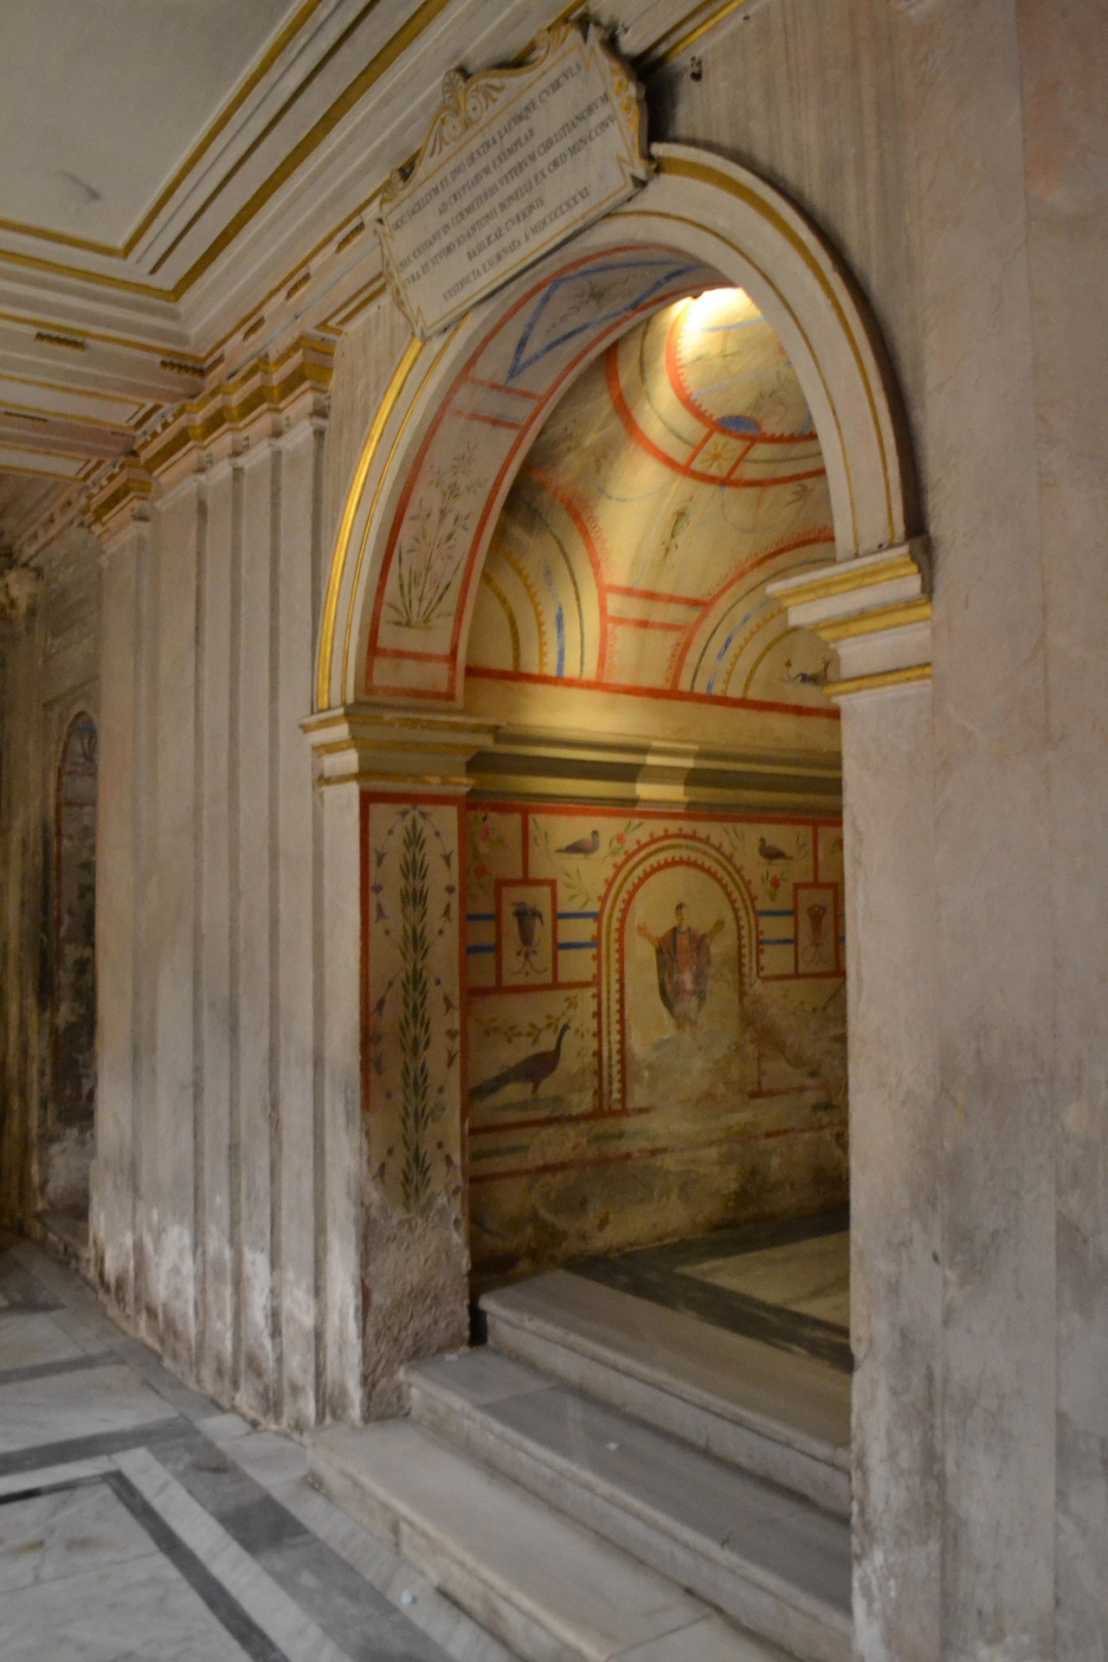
(138,1521)
(786,1284)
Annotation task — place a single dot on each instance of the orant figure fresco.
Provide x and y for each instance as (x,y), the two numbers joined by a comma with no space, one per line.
(684,957)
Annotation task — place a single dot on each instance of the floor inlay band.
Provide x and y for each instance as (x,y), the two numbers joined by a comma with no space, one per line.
(667,1276)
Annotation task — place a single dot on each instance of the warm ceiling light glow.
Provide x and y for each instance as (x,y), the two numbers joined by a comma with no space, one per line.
(717,306)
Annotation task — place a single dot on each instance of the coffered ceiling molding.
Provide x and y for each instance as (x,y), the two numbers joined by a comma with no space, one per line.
(128,87)
(201,193)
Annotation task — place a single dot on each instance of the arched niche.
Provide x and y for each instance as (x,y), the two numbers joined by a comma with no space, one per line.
(458,418)
(71,1103)
(637,915)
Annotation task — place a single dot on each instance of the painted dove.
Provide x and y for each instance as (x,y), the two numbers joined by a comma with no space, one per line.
(583,845)
(770,851)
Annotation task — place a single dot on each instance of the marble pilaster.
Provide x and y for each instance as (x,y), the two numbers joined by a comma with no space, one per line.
(112,1200)
(393,784)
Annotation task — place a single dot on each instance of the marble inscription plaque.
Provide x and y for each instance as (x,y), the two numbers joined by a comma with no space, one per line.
(516,161)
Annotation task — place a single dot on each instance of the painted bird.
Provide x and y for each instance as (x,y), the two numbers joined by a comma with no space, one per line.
(583,845)
(770,851)
(532,1070)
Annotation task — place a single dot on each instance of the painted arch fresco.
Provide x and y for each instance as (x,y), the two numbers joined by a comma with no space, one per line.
(655,1010)
(678,476)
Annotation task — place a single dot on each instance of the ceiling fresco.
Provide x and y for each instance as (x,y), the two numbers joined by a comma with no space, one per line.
(677,477)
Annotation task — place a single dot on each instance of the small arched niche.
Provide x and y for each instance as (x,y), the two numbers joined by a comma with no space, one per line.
(67,1150)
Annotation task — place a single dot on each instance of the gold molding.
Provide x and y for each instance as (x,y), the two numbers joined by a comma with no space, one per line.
(63,239)
(345,314)
(882,678)
(355,223)
(407,363)
(673,43)
(846,580)
(219,122)
(38,450)
(31,412)
(257,388)
(71,391)
(337,111)
(103,279)
(127,487)
(78,339)
(378,65)
(238,98)
(40,472)
(648,61)
(872,623)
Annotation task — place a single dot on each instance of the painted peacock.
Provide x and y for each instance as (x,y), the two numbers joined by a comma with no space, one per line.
(532,1070)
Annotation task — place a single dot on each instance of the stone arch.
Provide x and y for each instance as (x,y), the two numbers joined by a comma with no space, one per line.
(455,424)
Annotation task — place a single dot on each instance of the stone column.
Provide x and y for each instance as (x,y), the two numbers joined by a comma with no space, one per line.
(210,918)
(173,1108)
(876,613)
(256,922)
(123,522)
(220,627)
(393,784)
(22,854)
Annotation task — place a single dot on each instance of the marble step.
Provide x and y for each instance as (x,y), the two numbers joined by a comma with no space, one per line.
(771,1412)
(768,1559)
(550,1590)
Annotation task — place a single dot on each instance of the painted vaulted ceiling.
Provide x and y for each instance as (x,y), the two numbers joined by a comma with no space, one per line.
(677,477)
(188,183)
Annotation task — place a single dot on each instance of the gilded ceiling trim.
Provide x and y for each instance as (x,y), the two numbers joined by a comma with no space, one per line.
(82,335)
(71,391)
(46,450)
(871,623)
(102,279)
(39,472)
(407,35)
(878,681)
(217,125)
(646,62)
(261,386)
(688,32)
(238,98)
(381,61)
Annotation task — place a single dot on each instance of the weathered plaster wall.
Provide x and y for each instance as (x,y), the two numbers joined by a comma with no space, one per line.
(955,153)
(1064,64)
(627,1085)
(212,1179)
(49,674)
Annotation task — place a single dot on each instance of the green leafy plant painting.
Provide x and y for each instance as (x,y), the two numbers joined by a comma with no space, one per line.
(431,550)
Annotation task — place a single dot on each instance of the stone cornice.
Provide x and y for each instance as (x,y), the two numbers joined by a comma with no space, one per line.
(406,749)
(122,500)
(395,749)
(266,399)
(875,611)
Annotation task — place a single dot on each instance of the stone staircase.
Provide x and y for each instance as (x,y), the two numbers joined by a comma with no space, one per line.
(608,1479)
